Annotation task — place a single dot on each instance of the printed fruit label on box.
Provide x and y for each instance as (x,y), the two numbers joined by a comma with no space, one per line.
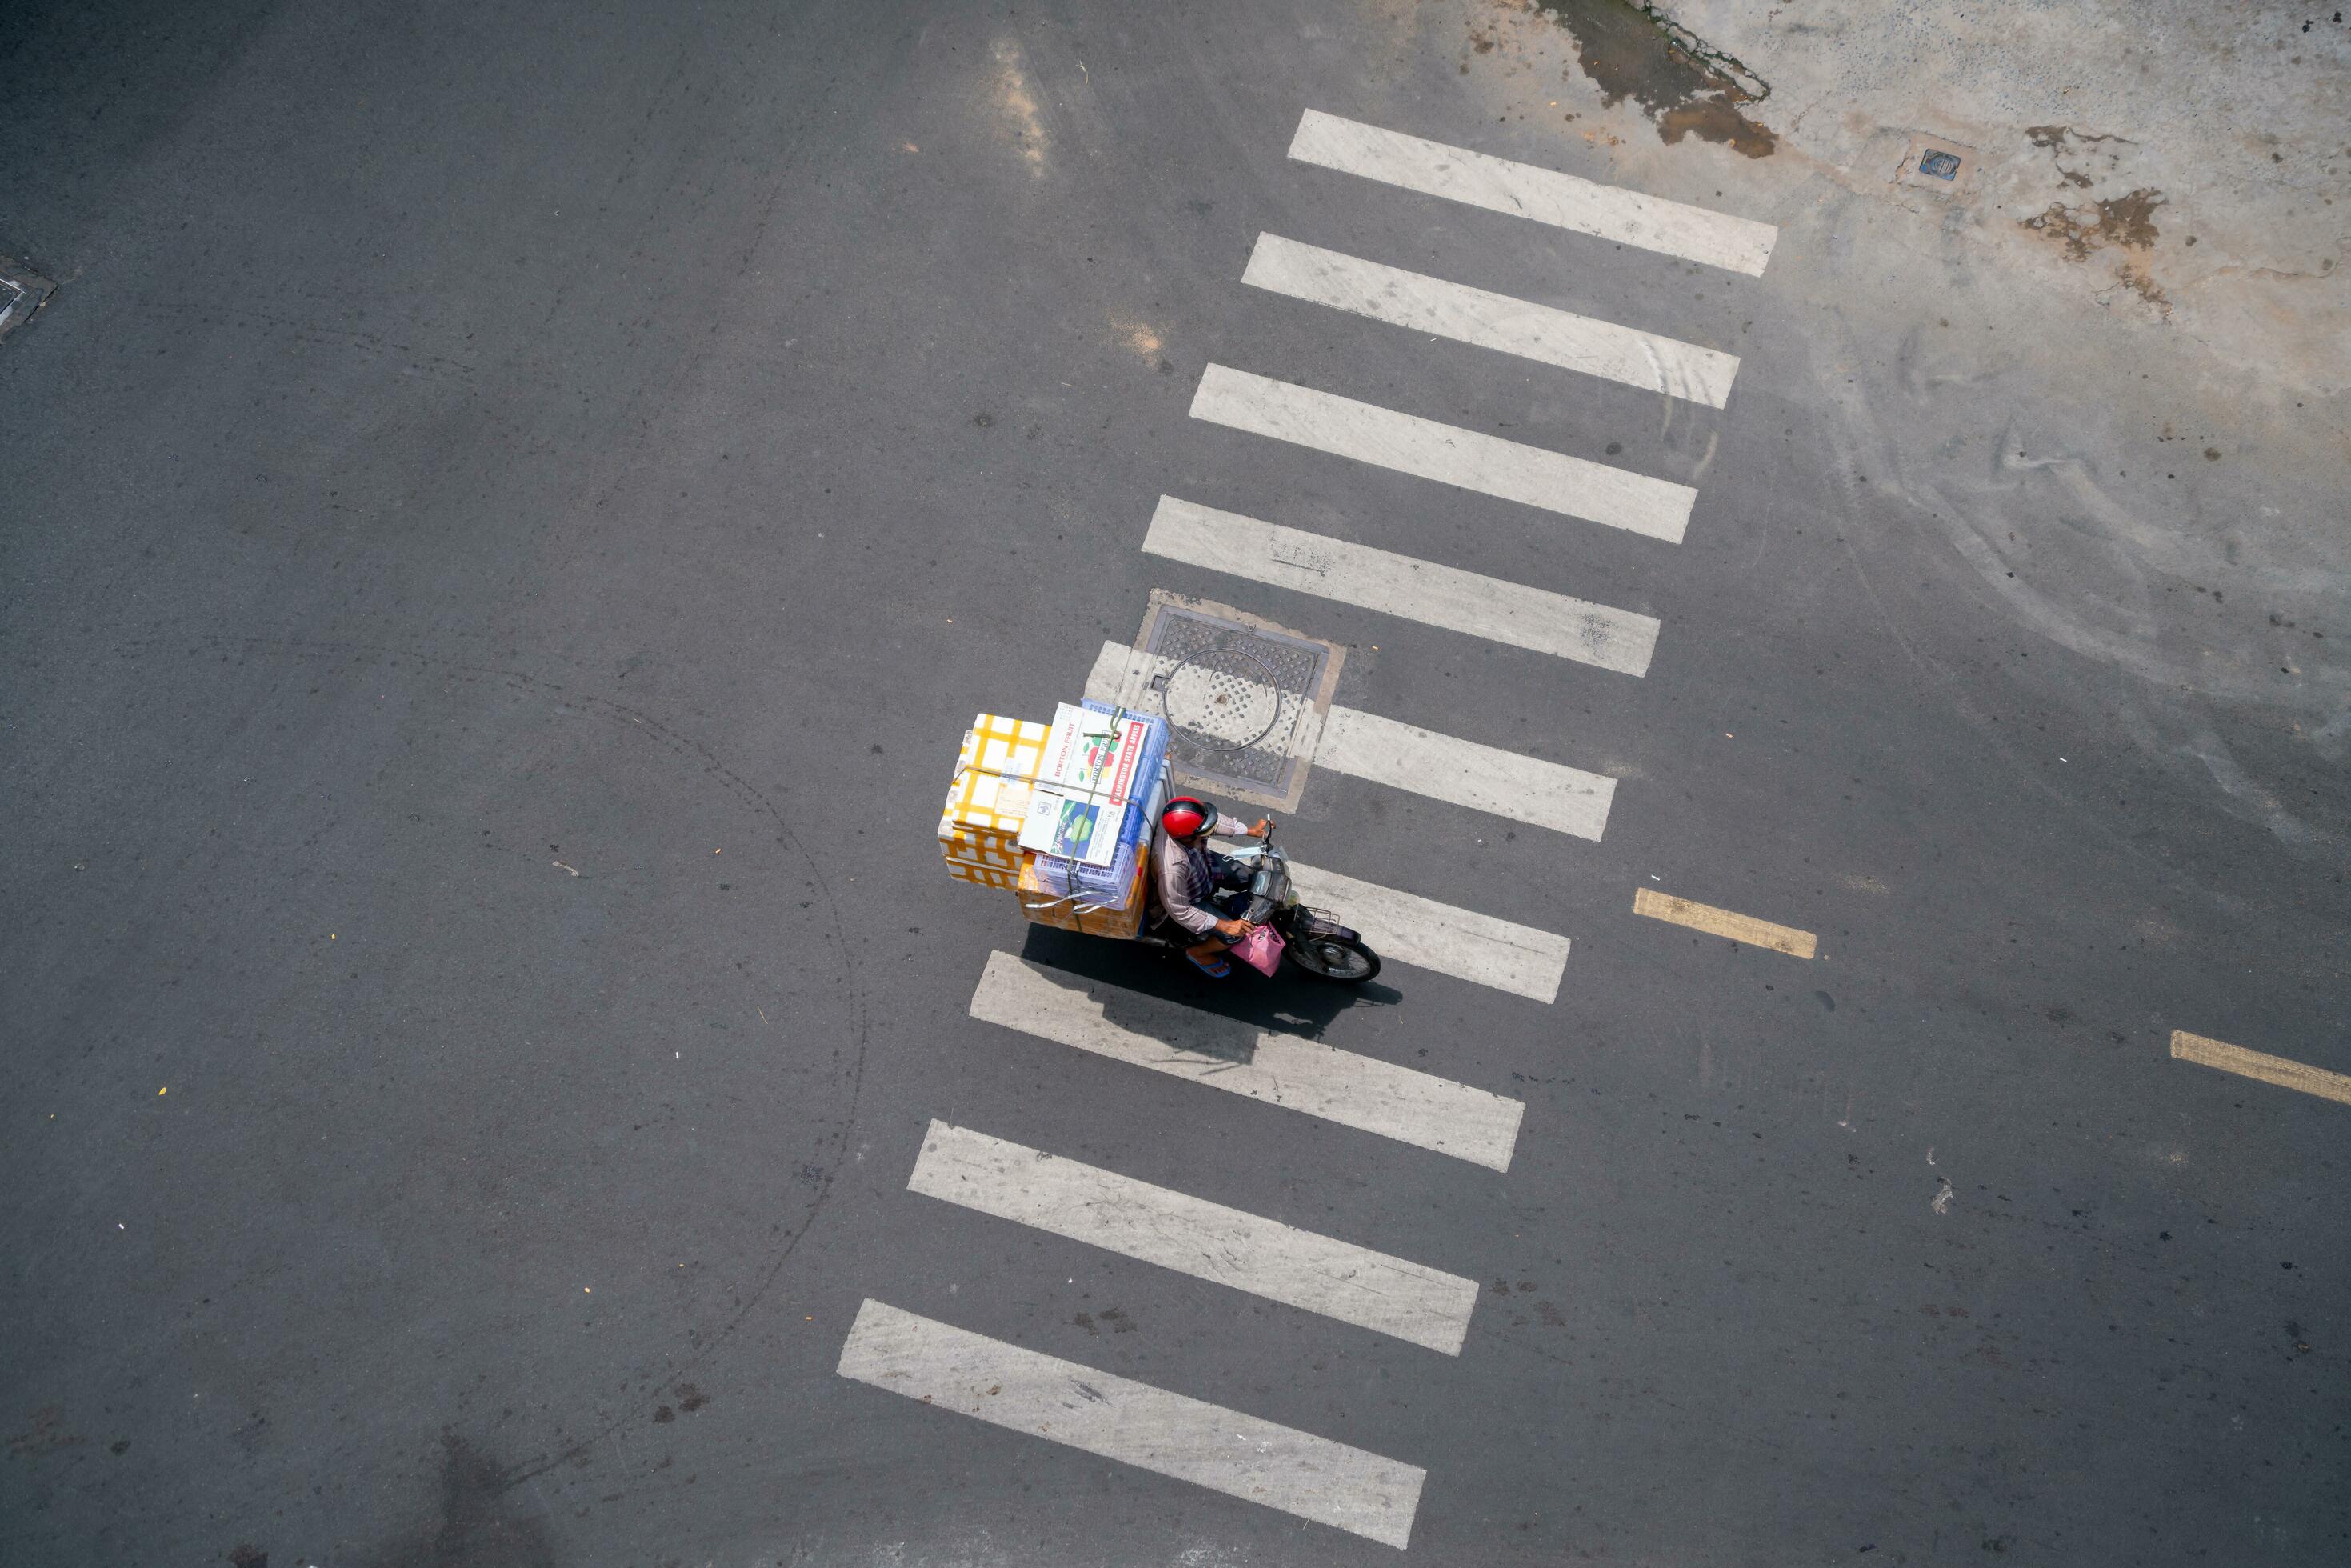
(1071,826)
(1094,754)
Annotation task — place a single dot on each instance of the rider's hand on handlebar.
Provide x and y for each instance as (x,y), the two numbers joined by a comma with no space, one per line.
(1233,930)
(1264,826)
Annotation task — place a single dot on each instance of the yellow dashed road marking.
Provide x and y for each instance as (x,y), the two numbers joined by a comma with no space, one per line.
(1723,923)
(2274,1070)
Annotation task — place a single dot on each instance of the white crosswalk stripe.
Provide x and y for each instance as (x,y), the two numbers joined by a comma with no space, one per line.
(1467,459)
(1407,757)
(1545,196)
(1433,595)
(1468,315)
(1483,778)
(1359,1092)
(1207,1241)
(1407,928)
(1133,1422)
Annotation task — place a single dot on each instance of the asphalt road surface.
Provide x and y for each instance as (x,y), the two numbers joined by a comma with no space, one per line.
(507,517)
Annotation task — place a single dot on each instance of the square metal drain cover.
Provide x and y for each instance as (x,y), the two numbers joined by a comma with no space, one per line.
(1936,163)
(1244,699)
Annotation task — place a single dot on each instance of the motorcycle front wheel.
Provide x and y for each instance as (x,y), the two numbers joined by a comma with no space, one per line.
(1333,958)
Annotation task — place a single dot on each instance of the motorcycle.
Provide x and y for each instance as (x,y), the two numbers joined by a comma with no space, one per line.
(1311,938)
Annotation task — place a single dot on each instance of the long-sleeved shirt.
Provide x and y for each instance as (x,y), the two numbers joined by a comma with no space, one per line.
(1183,881)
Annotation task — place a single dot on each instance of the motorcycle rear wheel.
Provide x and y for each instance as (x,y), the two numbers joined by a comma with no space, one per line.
(1333,958)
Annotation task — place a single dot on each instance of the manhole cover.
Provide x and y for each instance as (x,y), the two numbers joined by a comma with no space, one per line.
(1245,700)
(1936,163)
(1226,697)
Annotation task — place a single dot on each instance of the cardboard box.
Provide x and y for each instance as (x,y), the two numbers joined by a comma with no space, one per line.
(1073,826)
(1014,747)
(989,799)
(981,825)
(1102,884)
(1091,774)
(985,877)
(1082,913)
(1093,754)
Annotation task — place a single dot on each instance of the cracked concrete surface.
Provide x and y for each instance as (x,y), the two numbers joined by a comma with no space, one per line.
(2100,380)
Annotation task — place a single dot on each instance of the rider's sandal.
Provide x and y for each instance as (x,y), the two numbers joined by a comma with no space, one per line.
(1218,973)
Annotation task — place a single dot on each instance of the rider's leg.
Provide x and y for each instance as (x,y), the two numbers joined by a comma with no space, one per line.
(1209,949)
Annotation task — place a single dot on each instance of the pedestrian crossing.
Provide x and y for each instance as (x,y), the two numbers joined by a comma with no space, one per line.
(1540,196)
(1405,757)
(1464,601)
(1482,778)
(1302,1075)
(1540,333)
(1207,1241)
(1430,449)
(1160,1430)
(1116,1418)
(1407,928)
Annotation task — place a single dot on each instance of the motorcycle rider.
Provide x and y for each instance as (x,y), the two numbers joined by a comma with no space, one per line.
(1192,885)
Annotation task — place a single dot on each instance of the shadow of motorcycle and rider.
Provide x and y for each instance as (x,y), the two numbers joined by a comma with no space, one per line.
(1226,1018)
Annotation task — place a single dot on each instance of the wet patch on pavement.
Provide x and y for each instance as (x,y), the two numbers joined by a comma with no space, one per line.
(2126,222)
(1685,87)
(2078,154)
(2115,209)
(478,1518)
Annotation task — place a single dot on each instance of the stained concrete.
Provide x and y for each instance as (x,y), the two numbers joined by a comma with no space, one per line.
(2138,268)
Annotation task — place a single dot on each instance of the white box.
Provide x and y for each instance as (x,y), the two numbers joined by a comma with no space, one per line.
(1094,756)
(1072,824)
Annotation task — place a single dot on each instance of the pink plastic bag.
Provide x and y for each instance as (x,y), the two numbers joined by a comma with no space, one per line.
(1261,949)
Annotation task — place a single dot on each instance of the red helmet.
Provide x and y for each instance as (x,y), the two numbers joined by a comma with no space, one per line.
(1185,817)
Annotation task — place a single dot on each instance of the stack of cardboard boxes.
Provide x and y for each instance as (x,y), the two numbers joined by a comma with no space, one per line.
(1061,814)
(980,830)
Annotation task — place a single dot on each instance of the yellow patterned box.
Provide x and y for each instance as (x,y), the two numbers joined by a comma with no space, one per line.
(1012,747)
(979,830)
(1081,913)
